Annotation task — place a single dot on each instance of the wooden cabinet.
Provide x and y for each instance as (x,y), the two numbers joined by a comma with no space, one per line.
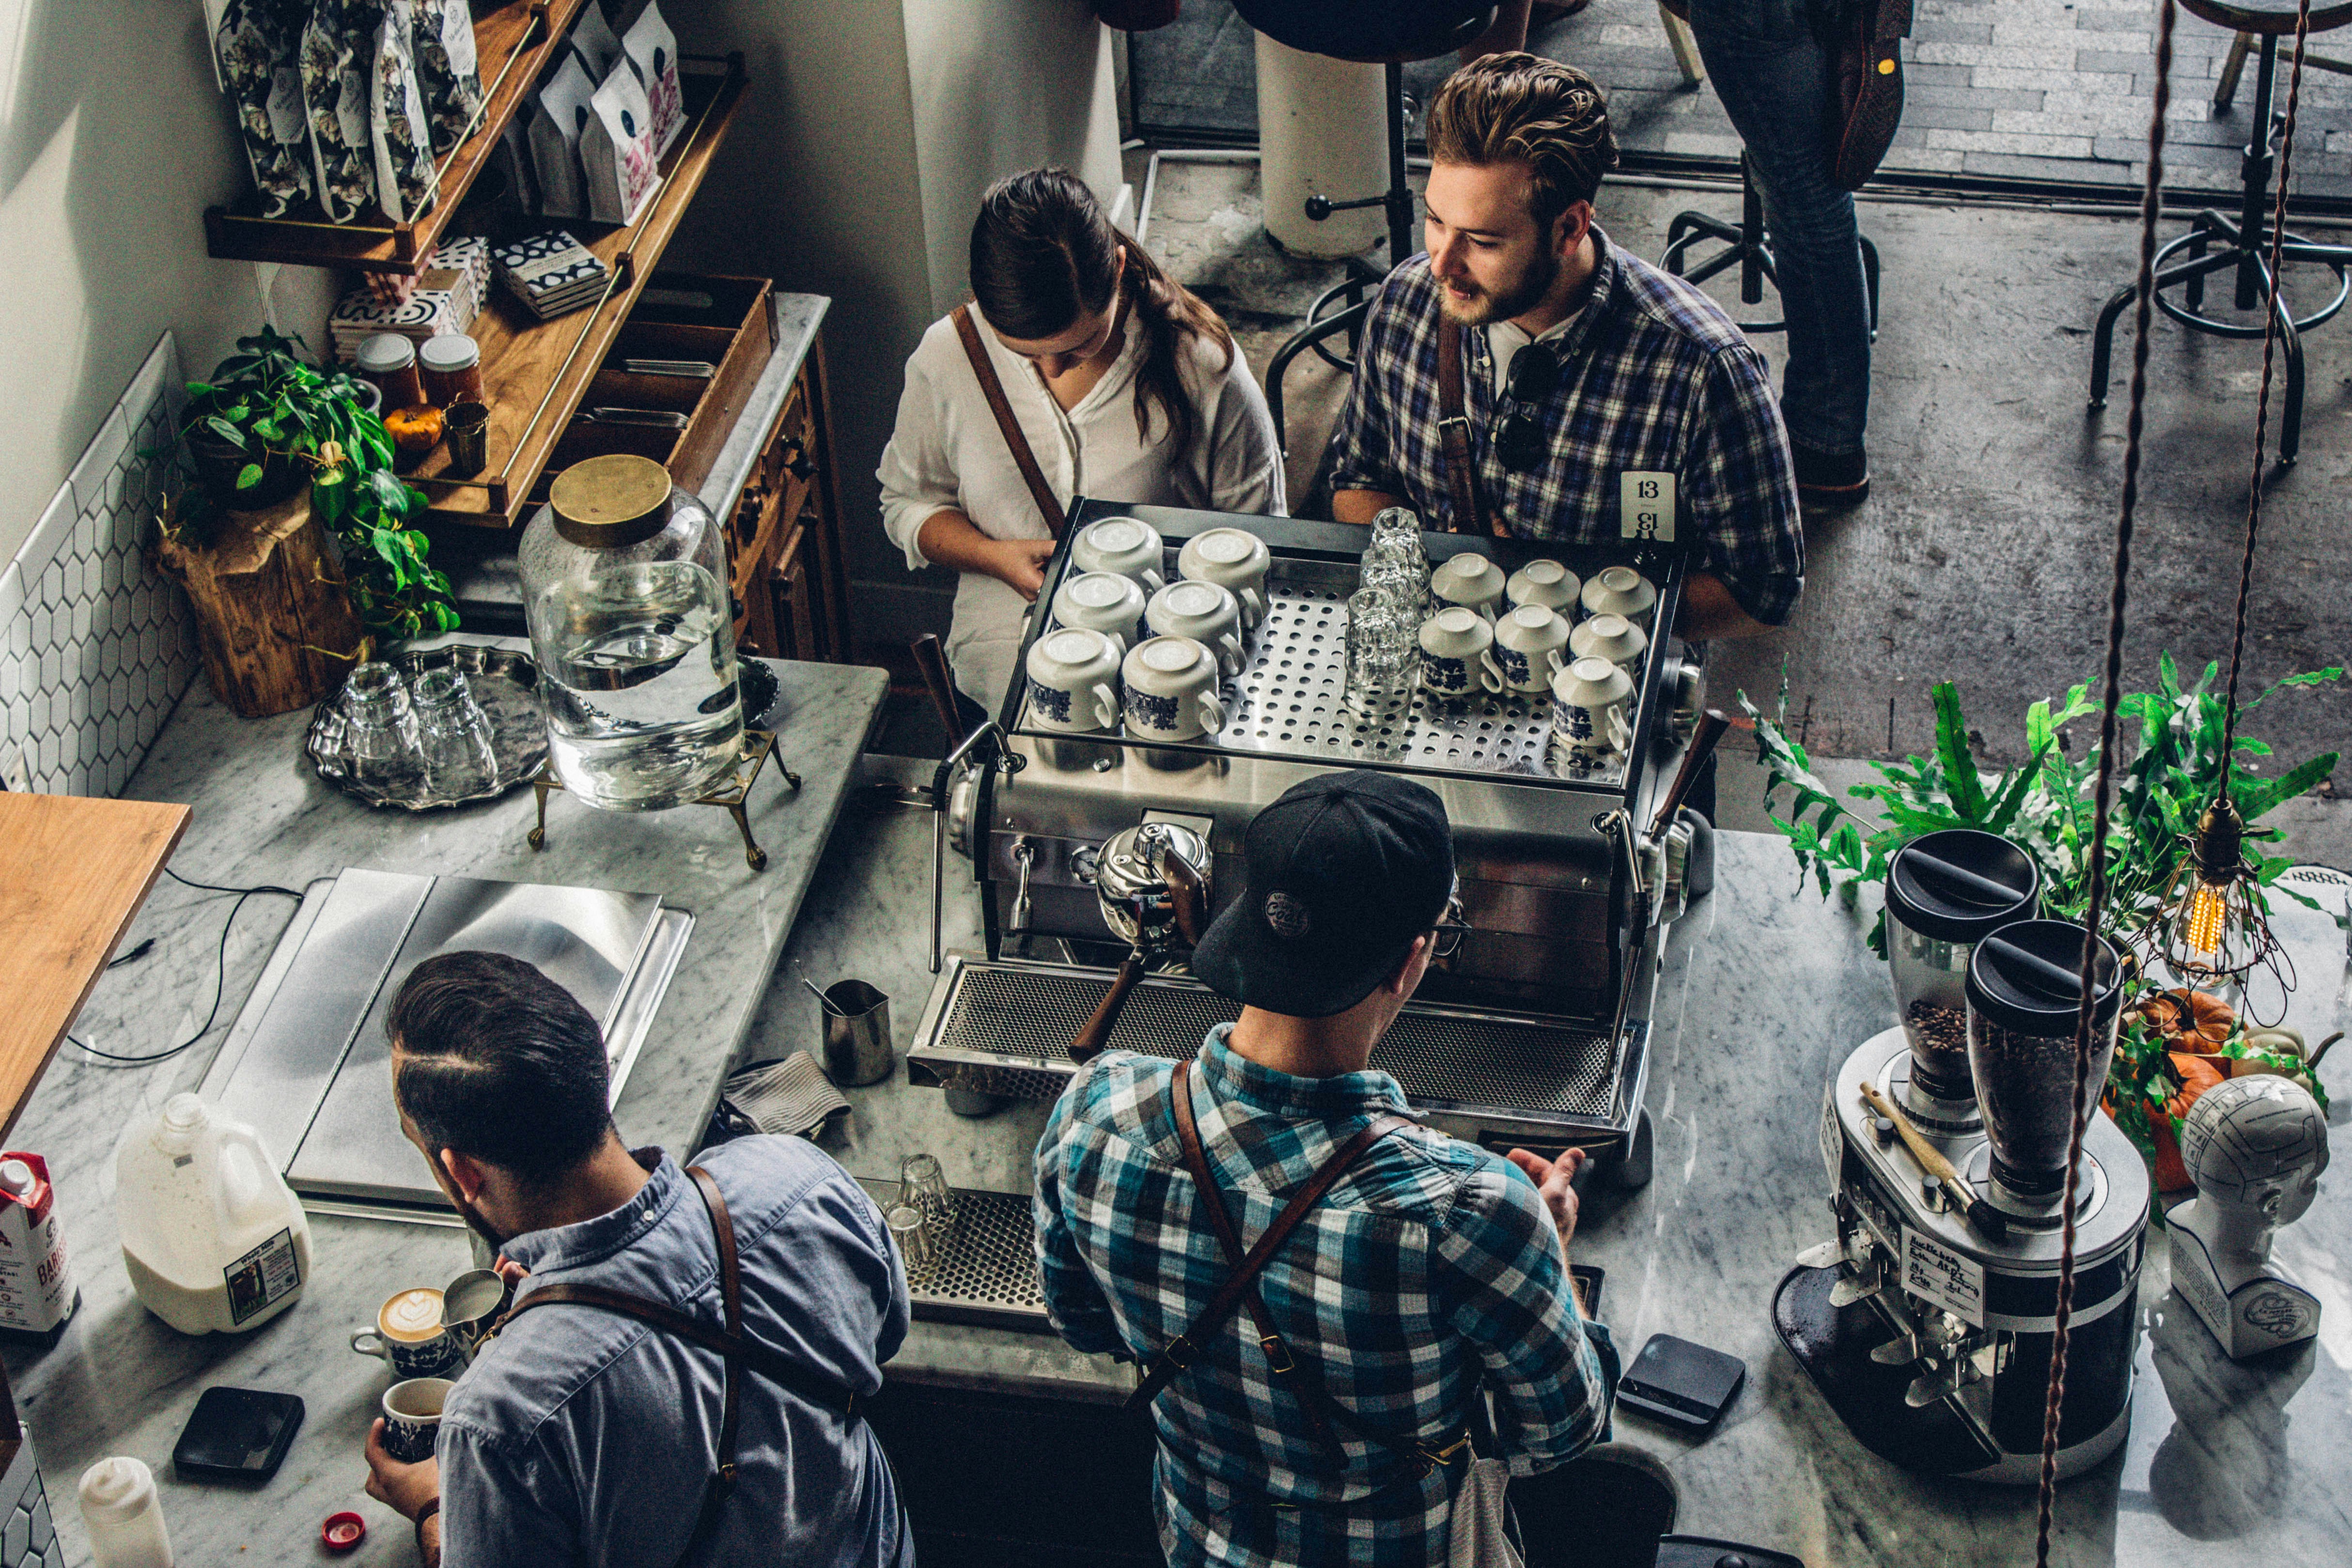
(784,540)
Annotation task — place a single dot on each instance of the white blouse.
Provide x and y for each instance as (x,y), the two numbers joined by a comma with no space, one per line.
(946,454)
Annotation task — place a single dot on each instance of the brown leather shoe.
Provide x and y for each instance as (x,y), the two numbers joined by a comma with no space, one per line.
(1830,481)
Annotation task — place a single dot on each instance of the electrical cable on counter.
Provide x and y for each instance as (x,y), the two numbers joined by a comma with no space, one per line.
(220,969)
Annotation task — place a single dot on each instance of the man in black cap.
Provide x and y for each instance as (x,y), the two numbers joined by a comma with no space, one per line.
(1318,1413)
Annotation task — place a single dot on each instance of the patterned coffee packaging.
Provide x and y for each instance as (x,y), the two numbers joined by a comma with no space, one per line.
(449,71)
(617,160)
(398,134)
(258,50)
(652,52)
(337,52)
(449,294)
(551,273)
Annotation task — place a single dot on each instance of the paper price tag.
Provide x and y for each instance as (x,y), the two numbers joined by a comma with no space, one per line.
(1645,506)
(1934,1272)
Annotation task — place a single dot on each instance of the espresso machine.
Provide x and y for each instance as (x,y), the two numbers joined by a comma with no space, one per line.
(1534,1034)
(1927,1322)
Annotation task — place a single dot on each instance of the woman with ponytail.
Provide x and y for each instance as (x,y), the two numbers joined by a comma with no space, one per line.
(1120,383)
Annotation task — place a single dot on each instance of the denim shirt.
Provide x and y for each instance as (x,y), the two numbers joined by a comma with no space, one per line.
(583,1436)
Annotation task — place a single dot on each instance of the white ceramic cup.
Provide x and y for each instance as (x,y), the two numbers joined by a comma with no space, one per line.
(1592,706)
(1234,559)
(412,1417)
(1620,591)
(1470,580)
(1611,637)
(1074,681)
(1457,654)
(1545,582)
(1103,602)
(409,1337)
(1171,690)
(1126,546)
(1530,645)
(1208,614)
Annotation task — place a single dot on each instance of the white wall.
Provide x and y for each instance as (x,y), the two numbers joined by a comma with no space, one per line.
(113,139)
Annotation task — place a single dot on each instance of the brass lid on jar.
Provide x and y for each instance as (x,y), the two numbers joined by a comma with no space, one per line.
(611,501)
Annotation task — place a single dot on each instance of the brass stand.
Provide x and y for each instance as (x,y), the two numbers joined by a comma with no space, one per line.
(758,745)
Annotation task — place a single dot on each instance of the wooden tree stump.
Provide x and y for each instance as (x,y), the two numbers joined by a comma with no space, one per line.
(274,620)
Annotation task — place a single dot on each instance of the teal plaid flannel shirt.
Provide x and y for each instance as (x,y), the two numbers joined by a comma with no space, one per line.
(1430,1268)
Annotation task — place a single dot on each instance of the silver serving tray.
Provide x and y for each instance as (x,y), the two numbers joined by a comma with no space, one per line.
(504,682)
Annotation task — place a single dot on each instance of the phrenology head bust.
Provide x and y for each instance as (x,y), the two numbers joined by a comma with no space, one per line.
(2258,1144)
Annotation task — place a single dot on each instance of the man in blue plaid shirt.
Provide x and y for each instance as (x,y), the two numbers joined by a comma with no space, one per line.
(1578,361)
(1430,1271)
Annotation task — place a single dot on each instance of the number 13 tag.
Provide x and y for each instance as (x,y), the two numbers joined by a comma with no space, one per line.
(1645,506)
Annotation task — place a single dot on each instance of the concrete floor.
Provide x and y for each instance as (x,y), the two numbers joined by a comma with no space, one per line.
(1984,554)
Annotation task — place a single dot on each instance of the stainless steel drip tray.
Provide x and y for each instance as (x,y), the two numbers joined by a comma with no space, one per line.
(986,1272)
(308,1065)
(1004,1027)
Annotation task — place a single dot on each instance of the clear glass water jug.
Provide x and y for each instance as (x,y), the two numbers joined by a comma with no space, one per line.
(624,588)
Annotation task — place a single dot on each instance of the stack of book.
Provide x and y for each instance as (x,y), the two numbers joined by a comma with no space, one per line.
(450,293)
(552,274)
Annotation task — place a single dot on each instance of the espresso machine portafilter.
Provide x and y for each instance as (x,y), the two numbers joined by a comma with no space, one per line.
(1153,881)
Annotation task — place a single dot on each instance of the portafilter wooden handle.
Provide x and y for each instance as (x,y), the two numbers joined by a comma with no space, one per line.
(1963,1196)
(1711,725)
(931,661)
(1095,1033)
(1186,897)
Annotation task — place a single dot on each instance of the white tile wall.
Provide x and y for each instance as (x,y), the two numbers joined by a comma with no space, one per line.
(96,645)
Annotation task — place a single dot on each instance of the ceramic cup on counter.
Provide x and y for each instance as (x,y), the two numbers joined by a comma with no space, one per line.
(1103,602)
(1457,654)
(408,1336)
(1592,703)
(1074,681)
(1544,583)
(1530,645)
(1470,580)
(1620,591)
(1126,546)
(412,1417)
(1234,559)
(1171,690)
(1613,638)
(1208,614)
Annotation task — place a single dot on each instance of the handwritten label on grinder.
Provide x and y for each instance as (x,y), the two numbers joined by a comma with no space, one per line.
(1934,1272)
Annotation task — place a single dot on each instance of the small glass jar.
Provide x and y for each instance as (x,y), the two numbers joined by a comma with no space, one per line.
(389,360)
(452,368)
(454,736)
(380,724)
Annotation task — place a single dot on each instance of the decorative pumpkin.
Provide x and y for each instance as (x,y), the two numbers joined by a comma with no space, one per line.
(417,429)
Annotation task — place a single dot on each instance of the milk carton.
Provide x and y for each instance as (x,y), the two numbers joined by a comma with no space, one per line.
(37,1292)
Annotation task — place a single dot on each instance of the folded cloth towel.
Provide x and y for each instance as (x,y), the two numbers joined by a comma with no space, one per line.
(791,1095)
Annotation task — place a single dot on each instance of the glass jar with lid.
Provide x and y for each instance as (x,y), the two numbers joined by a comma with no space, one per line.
(1946,892)
(451,364)
(624,589)
(389,360)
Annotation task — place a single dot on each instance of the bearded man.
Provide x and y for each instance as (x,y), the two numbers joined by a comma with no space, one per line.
(1514,376)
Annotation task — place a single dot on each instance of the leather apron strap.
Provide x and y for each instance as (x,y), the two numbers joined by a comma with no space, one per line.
(967,329)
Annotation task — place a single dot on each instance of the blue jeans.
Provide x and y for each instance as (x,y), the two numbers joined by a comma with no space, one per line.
(1774,78)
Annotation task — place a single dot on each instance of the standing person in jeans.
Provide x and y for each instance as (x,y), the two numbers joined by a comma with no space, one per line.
(1430,1271)
(1775,74)
(582,1436)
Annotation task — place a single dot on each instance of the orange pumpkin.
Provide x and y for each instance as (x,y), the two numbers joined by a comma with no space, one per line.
(415,429)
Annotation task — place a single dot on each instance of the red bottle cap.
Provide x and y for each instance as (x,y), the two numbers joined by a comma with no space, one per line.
(342,1531)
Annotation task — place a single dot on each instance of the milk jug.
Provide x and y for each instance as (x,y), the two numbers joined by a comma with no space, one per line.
(212,1237)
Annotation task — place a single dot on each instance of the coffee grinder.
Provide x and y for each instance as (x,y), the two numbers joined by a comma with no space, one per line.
(1928,1322)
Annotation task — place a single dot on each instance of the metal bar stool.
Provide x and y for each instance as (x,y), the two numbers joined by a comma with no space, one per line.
(2214,242)
(1748,247)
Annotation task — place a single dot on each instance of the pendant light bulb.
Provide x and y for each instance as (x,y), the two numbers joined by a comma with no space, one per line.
(2210,926)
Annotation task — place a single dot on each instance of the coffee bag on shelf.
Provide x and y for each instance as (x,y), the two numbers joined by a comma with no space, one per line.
(256,50)
(398,135)
(594,40)
(449,70)
(559,114)
(651,49)
(338,51)
(616,149)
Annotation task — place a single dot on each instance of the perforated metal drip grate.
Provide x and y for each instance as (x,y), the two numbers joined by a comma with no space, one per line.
(987,1272)
(1436,1058)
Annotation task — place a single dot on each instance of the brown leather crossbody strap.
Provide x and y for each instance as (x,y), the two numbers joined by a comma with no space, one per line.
(731,1294)
(993,390)
(1453,436)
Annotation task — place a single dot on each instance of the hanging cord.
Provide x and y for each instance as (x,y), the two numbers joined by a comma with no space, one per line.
(220,970)
(2150,204)
(2262,403)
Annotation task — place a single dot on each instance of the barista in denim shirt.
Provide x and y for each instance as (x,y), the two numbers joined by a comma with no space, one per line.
(582,1437)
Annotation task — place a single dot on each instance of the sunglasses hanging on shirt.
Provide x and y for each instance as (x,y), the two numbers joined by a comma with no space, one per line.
(1518,435)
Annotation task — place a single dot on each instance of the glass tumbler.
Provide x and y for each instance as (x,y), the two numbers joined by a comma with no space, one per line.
(916,1236)
(381,722)
(923,1186)
(1399,529)
(1383,652)
(1402,571)
(455,735)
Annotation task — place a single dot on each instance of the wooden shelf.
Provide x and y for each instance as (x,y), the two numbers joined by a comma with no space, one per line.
(515,41)
(535,373)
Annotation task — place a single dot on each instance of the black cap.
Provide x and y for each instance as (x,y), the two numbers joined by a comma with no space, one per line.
(1343,871)
(1961,885)
(2027,977)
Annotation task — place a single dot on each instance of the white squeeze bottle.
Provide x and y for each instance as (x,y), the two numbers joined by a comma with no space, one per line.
(211,1233)
(124,1516)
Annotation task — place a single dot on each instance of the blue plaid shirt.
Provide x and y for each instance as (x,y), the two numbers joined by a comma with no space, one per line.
(1431,1267)
(1653,377)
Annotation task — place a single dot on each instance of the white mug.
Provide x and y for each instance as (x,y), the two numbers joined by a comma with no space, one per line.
(1074,681)
(1592,707)
(1470,580)
(1611,637)
(1171,690)
(1208,614)
(1103,602)
(1234,559)
(1530,645)
(1545,582)
(1457,654)
(1126,546)
(412,1417)
(1620,591)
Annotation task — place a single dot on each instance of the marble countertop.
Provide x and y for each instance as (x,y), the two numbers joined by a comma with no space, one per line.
(119,1381)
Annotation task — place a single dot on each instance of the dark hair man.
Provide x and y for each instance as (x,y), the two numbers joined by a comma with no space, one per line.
(1321,1423)
(582,1436)
(1572,362)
